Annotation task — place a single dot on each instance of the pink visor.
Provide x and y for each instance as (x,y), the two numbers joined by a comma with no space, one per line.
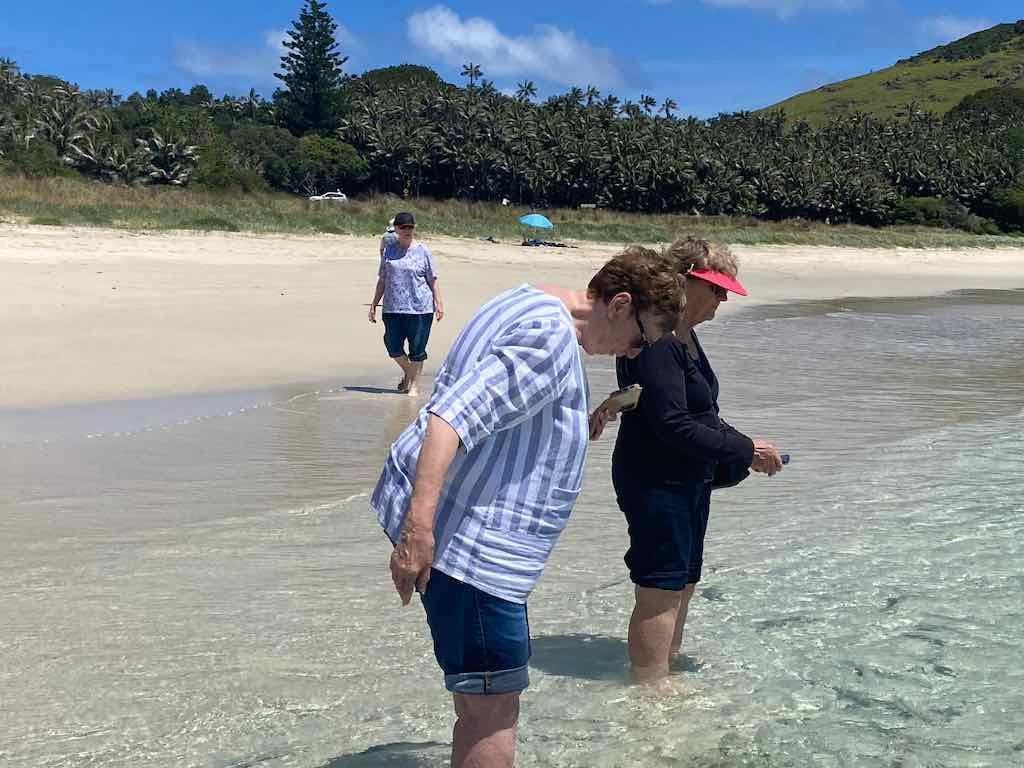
(720,279)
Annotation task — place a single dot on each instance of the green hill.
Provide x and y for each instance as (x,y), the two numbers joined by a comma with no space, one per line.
(935,80)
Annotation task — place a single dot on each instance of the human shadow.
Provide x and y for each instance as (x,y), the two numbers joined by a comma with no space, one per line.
(592,657)
(376,391)
(583,656)
(397,754)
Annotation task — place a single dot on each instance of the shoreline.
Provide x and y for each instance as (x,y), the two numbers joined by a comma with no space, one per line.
(94,316)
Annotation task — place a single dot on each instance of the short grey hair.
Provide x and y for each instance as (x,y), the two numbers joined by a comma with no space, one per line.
(696,253)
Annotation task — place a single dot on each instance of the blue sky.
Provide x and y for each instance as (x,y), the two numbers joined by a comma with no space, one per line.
(709,55)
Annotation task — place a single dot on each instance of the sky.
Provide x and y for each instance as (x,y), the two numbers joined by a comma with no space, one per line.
(709,56)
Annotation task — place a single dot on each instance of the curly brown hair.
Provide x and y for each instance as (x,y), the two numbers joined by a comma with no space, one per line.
(651,278)
(695,253)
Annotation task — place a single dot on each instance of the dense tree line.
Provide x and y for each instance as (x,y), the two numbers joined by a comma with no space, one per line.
(402,130)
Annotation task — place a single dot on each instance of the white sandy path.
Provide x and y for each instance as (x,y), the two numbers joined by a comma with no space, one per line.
(89,314)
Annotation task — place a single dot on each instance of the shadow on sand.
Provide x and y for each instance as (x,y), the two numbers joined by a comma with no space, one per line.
(398,754)
(376,391)
(583,656)
(591,657)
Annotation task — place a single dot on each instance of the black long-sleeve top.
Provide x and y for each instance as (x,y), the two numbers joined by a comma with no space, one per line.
(675,432)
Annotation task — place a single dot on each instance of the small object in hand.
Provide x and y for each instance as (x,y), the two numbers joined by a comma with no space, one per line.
(625,399)
(785,458)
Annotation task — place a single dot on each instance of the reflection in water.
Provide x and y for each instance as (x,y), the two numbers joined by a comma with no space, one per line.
(201,582)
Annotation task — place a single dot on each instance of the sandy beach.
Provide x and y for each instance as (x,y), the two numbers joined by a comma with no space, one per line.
(96,315)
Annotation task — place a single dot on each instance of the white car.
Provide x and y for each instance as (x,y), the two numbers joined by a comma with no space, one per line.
(331,197)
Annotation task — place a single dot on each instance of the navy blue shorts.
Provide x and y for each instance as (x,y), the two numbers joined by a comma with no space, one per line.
(400,327)
(481,642)
(667,524)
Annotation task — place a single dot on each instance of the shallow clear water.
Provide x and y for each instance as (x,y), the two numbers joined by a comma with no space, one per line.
(199,581)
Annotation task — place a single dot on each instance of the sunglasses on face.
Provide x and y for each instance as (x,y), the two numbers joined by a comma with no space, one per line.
(720,293)
(644,341)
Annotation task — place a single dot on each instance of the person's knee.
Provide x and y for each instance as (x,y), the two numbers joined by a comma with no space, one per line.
(652,602)
(487,713)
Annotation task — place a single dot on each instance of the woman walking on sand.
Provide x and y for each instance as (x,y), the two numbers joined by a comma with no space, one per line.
(407,282)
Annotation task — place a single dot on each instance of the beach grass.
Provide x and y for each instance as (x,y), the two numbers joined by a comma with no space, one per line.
(73,202)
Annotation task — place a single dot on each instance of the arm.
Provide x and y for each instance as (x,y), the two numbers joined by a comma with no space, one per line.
(378,294)
(438,301)
(431,278)
(665,407)
(414,553)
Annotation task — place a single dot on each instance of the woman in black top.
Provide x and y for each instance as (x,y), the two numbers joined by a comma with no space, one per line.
(669,453)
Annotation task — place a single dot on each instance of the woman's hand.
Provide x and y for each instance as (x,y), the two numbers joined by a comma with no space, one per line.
(767,459)
(438,312)
(599,419)
(373,314)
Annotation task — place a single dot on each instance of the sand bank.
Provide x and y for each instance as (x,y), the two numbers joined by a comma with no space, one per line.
(90,315)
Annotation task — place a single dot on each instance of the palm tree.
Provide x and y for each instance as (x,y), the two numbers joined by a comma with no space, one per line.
(526,91)
(472,72)
(668,106)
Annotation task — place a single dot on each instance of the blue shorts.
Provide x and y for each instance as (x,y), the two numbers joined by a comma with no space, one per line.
(667,524)
(481,642)
(400,327)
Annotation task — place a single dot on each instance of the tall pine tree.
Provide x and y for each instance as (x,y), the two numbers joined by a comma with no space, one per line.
(311,72)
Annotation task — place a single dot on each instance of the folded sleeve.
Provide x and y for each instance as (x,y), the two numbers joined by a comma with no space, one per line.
(664,405)
(525,369)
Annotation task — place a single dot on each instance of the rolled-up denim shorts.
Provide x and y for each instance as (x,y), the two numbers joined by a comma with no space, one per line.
(400,327)
(481,642)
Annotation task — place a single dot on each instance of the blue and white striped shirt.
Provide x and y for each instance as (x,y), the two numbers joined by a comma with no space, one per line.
(514,389)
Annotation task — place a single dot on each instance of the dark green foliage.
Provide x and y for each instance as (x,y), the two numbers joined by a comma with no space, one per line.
(219,168)
(311,73)
(930,211)
(979,44)
(936,212)
(320,164)
(402,76)
(1005,206)
(46,221)
(38,160)
(996,106)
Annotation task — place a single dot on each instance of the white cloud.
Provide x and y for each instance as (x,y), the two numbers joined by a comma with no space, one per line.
(259,62)
(945,29)
(786,8)
(549,53)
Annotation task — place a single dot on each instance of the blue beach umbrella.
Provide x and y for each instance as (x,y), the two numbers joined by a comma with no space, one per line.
(536,220)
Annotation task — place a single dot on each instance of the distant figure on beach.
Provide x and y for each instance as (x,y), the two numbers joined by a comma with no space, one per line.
(407,282)
(388,237)
(671,451)
(475,493)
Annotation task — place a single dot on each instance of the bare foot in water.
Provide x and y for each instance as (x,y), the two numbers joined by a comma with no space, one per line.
(413,391)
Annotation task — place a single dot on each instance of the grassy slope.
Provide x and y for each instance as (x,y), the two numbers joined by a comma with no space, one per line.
(75,202)
(930,80)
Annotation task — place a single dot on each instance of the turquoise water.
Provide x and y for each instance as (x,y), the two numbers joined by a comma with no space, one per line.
(199,581)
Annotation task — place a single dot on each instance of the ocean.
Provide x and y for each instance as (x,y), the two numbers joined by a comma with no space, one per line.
(199,581)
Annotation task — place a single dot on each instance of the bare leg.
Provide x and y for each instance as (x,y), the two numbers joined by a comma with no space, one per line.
(403,363)
(651,629)
(485,731)
(684,606)
(412,375)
